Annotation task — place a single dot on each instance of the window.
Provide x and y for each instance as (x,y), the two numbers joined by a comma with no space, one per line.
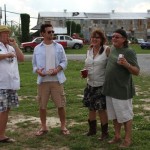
(47,22)
(61,37)
(60,23)
(39,40)
(67,38)
(95,21)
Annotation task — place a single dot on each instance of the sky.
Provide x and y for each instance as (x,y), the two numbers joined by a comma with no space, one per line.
(33,7)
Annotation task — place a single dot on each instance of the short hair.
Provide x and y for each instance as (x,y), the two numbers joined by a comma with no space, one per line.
(43,26)
(124,34)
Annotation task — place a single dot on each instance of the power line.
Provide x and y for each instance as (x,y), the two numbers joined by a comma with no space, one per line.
(17,13)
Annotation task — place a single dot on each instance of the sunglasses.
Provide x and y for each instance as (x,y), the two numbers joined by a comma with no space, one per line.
(50,32)
(116,37)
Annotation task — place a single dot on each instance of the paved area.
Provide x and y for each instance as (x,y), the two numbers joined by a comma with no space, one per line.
(144,63)
(143,60)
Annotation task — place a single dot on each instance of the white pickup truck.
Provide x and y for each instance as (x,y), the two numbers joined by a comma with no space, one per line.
(68,41)
(64,40)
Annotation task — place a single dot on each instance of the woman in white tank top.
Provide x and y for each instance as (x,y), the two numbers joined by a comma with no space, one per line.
(95,63)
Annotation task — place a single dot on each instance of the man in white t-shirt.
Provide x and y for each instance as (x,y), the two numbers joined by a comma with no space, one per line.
(49,61)
(9,78)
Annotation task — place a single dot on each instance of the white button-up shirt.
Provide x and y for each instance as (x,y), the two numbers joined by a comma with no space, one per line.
(39,60)
(9,74)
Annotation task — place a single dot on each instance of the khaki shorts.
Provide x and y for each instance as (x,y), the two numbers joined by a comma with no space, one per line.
(53,90)
(122,110)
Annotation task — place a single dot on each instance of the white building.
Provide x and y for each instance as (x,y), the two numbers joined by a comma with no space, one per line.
(136,24)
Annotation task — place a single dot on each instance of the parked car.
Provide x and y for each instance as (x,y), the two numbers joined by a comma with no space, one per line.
(139,41)
(145,45)
(64,40)
(68,41)
(29,46)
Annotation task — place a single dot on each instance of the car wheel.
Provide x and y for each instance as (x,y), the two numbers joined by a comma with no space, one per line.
(28,49)
(76,46)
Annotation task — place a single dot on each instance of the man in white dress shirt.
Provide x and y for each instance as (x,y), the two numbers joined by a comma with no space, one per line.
(9,78)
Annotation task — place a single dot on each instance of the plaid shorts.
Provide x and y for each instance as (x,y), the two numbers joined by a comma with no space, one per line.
(8,99)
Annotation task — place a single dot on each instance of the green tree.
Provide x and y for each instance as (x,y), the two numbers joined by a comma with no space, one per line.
(68,27)
(25,22)
(78,28)
(73,27)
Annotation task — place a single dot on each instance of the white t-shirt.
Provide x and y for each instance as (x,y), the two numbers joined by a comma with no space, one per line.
(50,62)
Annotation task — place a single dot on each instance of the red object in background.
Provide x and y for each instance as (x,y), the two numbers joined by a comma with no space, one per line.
(63,43)
(76,36)
(84,73)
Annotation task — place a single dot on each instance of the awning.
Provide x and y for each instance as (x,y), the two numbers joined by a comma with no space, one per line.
(58,30)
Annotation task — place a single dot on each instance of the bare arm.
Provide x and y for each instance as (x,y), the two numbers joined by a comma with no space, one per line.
(107,51)
(132,69)
(19,54)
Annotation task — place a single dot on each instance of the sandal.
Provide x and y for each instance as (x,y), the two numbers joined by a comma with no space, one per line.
(125,144)
(114,141)
(41,132)
(65,132)
(7,140)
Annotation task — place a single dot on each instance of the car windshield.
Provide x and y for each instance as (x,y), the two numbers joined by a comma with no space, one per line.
(140,40)
(39,40)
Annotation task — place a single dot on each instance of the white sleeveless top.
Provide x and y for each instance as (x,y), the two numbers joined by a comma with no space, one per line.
(96,67)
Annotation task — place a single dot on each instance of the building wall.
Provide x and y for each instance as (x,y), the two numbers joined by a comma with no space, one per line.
(137,28)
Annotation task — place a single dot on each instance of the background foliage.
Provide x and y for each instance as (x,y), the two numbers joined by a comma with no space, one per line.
(25,22)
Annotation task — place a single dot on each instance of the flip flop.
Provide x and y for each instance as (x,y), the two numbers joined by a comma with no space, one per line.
(114,141)
(41,132)
(65,132)
(7,140)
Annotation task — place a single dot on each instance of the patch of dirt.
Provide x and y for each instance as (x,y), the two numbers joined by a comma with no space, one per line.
(26,97)
(79,95)
(52,122)
(144,106)
(145,100)
(14,120)
(147,118)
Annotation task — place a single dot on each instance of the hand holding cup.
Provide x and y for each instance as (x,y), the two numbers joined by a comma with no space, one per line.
(84,73)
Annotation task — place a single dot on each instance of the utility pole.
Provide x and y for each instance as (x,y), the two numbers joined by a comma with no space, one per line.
(5,12)
(0,15)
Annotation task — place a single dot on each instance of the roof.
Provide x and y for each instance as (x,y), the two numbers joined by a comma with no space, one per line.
(98,15)
(112,15)
(88,16)
(58,30)
(129,15)
(62,14)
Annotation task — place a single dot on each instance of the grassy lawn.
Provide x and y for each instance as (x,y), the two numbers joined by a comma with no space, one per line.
(23,130)
(83,50)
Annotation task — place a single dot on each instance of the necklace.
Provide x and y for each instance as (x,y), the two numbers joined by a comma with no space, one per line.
(95,52)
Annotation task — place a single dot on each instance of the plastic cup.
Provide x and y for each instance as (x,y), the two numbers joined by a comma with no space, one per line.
(84,73)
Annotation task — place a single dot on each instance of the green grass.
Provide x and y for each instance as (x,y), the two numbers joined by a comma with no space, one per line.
(83,50)
(24,131)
